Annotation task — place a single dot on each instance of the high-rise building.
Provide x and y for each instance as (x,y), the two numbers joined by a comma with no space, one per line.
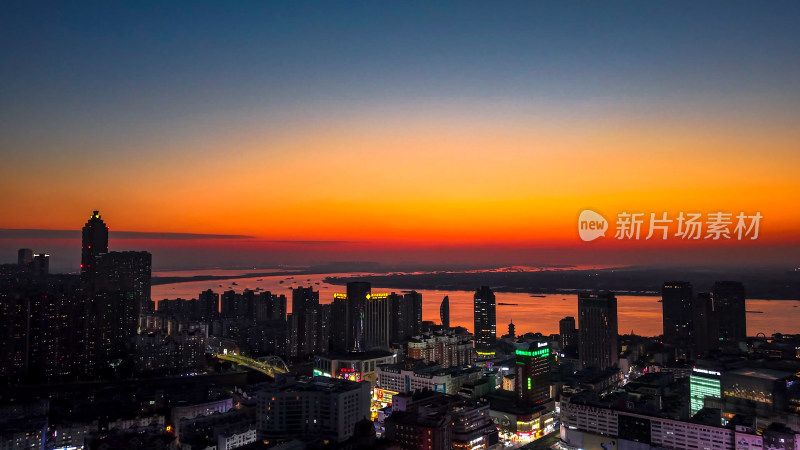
(24,256)
(705,325)
(275,306)
(317,408)
(485,320)
(413,304)
(324,328)
(338,324)
(532,374)
(567,332)
(597,329)
(703,382)
(447,349)
(444,312)
(406,313)
(122,292)
(729,306)
(377,322)
(676,306)
(305,314)
(208,305)
(94,243)
(40,265)
(357,294)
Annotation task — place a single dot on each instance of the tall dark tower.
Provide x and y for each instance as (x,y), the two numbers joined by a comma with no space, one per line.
(24,256)
(597,329)
(94,243)
(676,306)
(729,306)
(485,320)
(444,312)
(305,314)
(357,292)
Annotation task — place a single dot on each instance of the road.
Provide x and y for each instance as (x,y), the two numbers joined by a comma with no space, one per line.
(261,366)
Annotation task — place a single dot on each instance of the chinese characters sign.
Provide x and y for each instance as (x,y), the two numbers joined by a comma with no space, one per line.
(687,226)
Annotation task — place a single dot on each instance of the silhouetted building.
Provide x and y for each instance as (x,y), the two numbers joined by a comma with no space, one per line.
(122,291)
(567,332)
(597,329)
(406,313)
(317,408)
(705,325)
(24,256)
(532,373)
(304,327)
(93,244)
(357,293)
(485,320)
(274,306)
(338,323)
(208,305)
(40,265)
(444,312)
(676,306)
(729,305)
(511,332)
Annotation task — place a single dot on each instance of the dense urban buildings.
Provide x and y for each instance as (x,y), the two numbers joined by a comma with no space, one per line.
(362,369)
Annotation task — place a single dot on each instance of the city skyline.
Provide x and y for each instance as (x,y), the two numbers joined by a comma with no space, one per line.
(399,225)
(303,134)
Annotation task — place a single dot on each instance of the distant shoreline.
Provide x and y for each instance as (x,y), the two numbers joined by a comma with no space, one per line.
(568,283)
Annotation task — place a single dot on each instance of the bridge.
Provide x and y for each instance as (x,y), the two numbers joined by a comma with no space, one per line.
(270,365)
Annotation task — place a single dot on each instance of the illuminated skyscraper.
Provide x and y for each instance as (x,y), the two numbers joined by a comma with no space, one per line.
(597,329)
(377,322)
(676,306)
(444,312)
(703,382)
(532,373)
(485,320)
(93,244)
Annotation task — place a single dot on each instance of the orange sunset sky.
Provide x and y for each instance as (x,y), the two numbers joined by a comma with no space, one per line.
(400,143)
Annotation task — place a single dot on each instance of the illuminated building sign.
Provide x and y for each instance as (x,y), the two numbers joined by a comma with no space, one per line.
(706,372)
(377,295)
(339,295)
(545,352)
